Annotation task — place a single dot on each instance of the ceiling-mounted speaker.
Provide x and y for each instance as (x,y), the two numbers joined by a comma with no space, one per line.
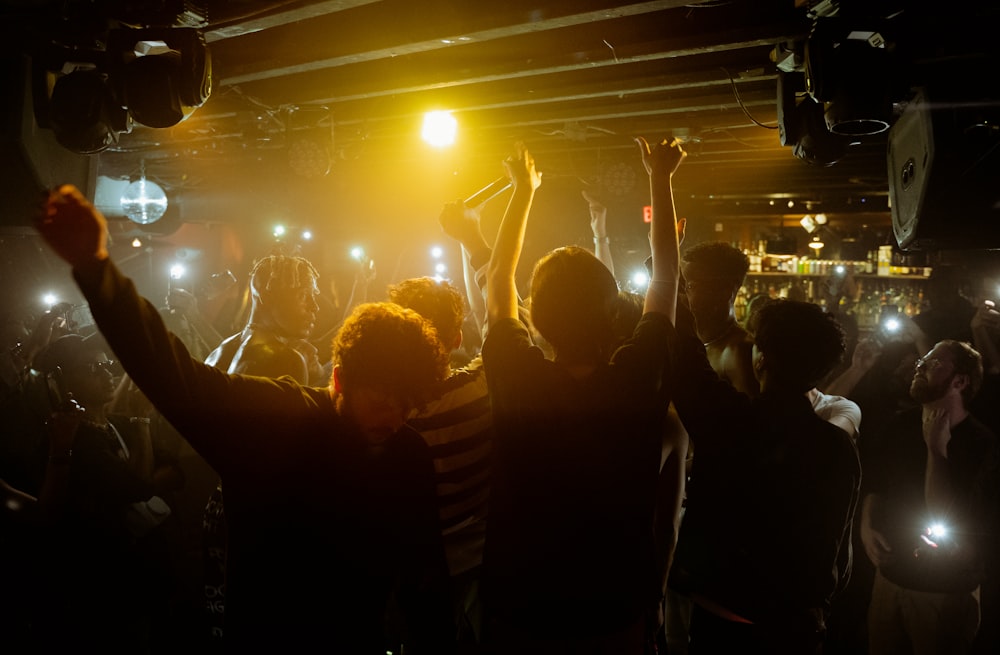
(944,169)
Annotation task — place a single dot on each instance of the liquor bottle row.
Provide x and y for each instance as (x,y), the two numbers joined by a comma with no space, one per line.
(862,298)
(883,262)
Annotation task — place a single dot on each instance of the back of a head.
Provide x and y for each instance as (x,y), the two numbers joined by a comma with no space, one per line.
(278,272)
(572,304)
(721,258)
(390,348)
(800,342)
(66,352)
(438,301)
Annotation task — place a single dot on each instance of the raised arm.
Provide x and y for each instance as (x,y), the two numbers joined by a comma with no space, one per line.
(461,223)
(599,226)
(501,290)
(661,161)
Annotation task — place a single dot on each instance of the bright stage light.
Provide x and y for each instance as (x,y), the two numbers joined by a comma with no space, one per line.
(436,252)
(177,271)
(50,299)
(439,129)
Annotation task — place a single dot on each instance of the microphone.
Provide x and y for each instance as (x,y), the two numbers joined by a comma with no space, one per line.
(488,192)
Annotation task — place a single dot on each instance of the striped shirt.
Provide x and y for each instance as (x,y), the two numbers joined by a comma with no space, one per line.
(458,427)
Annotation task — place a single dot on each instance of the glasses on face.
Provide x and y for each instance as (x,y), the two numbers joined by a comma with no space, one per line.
(930,363)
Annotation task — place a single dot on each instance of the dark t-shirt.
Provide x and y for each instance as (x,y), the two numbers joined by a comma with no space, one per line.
(320,529)
(895,465)
(770,502)
(569,547)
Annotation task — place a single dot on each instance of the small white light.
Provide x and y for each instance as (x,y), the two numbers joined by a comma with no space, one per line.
(279,231)
(891,325)
(357,252)
(436,252)
(640,279)
(440,268)
(816,244)
(839,269)
(177,271)
(937,530)
(791,203)
(307,235)
(137,242)
(820,219)
(50,299)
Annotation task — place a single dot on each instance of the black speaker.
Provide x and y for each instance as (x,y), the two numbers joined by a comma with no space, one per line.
(944,171)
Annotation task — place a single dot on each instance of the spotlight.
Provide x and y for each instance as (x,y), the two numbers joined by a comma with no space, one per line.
(307,235)
(440,268)
(137,242)
(816,244)
(177,271)
(640,279)
(439,128)
(143,201)
(357,252)
(278,231)
(50,299)
(436,252)
(809,224)
(820,218)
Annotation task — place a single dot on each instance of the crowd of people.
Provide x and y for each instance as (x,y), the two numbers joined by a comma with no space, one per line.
(597,472)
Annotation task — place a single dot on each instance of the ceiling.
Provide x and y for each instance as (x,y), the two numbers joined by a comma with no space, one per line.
(575,81)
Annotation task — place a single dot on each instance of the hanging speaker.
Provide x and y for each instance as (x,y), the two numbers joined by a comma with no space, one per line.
(944,169)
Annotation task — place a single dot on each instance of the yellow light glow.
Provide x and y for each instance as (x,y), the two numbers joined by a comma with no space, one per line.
(439,129)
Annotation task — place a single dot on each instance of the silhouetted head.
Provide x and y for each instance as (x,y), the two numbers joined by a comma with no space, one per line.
(438,301)
(796,344)
(572,302)
(284,290)
(387,361)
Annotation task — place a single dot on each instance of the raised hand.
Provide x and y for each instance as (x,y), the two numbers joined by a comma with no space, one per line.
(662,159)
(521,169)
(937,429)
(73,227)
(461,222)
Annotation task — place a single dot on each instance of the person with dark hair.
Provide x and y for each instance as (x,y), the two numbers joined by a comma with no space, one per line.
(330,498)
(928,509)
(570,561)
(713,272)
(283,291)
(458,427)
(772,493)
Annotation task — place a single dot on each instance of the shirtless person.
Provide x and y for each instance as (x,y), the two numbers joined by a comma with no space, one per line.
(713,272)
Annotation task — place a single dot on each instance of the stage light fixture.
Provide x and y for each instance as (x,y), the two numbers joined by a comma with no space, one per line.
(82,111)
(162,74)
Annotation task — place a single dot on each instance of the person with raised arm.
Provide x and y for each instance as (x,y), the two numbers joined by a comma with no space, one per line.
(571,560)
(330,498)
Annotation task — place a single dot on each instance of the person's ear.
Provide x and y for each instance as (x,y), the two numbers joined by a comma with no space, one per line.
(959,382)
(338,383)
